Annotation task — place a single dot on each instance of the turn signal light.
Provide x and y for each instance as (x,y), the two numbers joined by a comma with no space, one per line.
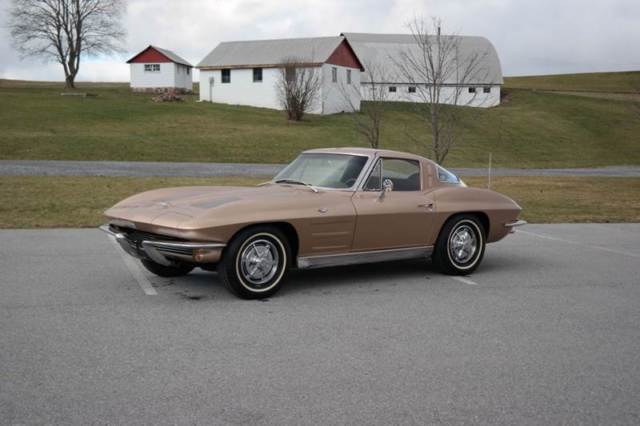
(199,255)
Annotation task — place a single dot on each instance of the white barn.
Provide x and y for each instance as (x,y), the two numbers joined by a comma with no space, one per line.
(247,72)
(155,70)
(384,51)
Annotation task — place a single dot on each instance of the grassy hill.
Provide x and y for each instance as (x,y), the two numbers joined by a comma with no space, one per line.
(611,82)
(530,129)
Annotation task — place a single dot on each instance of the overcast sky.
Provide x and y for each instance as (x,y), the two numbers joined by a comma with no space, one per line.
(531,36)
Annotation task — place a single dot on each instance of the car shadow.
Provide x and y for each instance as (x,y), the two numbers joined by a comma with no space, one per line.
(202,285)
(361,276)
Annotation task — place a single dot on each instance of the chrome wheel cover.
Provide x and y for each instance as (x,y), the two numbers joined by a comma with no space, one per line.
(259,262)
(463,244)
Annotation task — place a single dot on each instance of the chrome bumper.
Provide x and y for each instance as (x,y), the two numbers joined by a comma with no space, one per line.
(512,225)
(167,252)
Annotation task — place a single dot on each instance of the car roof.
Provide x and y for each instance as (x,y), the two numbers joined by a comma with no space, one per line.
(370,152)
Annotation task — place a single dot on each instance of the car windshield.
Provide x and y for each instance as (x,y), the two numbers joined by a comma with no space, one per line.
(323,170)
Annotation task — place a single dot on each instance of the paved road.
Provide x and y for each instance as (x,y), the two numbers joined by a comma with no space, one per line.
(122,168)
(546,332)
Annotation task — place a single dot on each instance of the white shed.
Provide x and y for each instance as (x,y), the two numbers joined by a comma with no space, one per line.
(247,72)
(384,51)
(155,70)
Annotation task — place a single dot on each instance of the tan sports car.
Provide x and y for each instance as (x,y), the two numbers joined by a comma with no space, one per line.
(329,207)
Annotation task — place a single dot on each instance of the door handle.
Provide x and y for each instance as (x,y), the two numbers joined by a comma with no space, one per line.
(428,206)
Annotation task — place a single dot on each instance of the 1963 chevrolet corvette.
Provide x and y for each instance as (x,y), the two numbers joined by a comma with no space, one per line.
(328,207)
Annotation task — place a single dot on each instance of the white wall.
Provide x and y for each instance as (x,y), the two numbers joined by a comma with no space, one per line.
(184,77)
(171,75)
(447,96)
(340,96)
(242,90)
(151,79)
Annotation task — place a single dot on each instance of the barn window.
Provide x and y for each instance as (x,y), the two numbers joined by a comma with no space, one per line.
(348,76)
(392,89)
(472,90)
(257,75)
(486,89)
(412,89)
(226,76)
(334,74)
(151,67)
(188,70)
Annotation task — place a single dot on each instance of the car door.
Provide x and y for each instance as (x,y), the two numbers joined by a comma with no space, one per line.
(397,218)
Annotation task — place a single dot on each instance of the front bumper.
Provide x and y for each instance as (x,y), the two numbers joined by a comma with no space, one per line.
(164,252)
(516,223)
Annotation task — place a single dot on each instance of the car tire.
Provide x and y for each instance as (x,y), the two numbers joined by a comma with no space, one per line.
(460,246)
(255,263)
(178,270)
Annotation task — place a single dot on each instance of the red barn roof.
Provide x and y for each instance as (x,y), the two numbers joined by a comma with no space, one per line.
(312,51)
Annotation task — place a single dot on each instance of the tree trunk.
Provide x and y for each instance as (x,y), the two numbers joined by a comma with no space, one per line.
(435,134)
(69,82)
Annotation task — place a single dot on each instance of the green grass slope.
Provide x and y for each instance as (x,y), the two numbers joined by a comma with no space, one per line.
(531,129)
(613,82)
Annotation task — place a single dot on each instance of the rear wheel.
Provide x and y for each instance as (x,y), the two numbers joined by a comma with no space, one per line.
(460,245)
(177,270)
(255,263)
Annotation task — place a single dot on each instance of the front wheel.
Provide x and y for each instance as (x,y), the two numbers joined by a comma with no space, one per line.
(460,245)
(255,263)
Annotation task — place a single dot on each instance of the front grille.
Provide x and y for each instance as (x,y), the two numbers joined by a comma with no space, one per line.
(176,250)
(139,236)
(134,239)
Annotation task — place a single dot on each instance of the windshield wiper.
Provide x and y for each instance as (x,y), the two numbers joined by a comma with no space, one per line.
(297,182)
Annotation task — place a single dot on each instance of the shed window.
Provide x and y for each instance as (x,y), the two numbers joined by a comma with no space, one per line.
(152,67)
(226,76)
(334,74)
(486,89)
(472,90)
(257,75)
(412,89)
(188,70)
(348,76)
(392,89)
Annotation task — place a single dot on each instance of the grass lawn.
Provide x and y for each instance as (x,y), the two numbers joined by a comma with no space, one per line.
(616,82)
(47,202)
(530,129)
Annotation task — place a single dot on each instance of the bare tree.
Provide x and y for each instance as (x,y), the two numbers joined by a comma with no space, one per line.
(298,87)
(369,121)
(435,66)
(62,30)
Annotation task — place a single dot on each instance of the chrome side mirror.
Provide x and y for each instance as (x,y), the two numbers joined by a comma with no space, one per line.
(387,185)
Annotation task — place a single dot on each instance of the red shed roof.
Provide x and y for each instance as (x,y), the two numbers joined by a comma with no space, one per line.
(157,54)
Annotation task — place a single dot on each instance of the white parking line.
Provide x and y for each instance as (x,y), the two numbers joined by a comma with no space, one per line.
(135,271)
(548,237)
(465,280)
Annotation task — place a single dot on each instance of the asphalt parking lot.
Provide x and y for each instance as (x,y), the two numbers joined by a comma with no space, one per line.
(547,331)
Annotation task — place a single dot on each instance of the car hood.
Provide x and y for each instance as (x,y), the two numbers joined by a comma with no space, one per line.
(175,207)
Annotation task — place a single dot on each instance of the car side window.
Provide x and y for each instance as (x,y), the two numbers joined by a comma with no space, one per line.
(374,182)
(405,175)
